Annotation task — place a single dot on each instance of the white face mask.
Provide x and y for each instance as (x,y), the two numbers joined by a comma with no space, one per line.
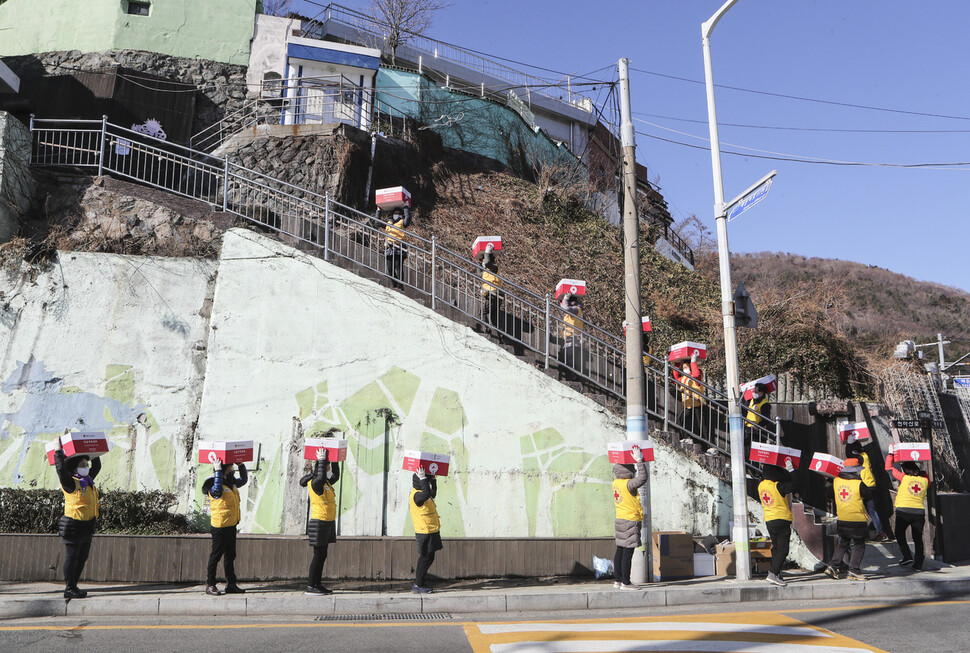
(82,471)
(758,395)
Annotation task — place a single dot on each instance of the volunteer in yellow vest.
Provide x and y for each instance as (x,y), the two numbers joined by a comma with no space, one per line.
(910,509)
(395,243)
(222,489)
(758,407)
(321,529)
(691,394)
(773,491)
(427,526)
(571,353)
(491,287)
(629,516)
(76,527)
(851,526)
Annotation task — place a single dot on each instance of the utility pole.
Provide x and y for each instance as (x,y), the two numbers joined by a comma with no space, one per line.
(738,485)
(636,422)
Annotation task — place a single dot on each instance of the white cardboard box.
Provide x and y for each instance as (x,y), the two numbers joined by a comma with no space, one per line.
(575,286)
(482,242)
(703,564)
(622,452)
(773,454)
(435,464)
(226,451)
(684,350)
(910,451)
(91,444)
(336,449)
(392,198)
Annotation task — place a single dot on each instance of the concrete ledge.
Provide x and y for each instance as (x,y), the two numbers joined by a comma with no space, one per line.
(289,604)
(765,592)
(202,605)
(848,589)
(25,608)
(612,599)
(376,604)
(694,595)
(464,603)
(516,602)
(94,605)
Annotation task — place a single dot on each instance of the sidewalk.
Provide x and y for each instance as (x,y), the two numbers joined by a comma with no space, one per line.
(21,600)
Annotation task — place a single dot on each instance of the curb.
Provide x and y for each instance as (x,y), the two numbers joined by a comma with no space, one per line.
(471,602)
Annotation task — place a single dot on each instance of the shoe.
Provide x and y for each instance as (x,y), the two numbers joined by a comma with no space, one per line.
(775,580)
(629,587)
(831,573)
(917,567)
(421,590)
(905,563)
(617,585)
(234,589)
(318,590)
(74,593)
(213,590)
(880,537)
(856,575)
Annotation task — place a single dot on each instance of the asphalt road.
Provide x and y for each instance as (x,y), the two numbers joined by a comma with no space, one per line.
(782,627)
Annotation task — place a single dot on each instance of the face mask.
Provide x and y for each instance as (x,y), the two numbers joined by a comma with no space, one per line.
(758,395)
(82,471)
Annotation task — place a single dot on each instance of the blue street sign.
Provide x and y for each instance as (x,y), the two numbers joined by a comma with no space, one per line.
(962,381)
(749,200)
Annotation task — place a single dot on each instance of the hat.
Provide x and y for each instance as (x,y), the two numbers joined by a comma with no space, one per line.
(851,465)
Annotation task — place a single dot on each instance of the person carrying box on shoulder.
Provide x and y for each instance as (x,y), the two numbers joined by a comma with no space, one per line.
(81,509)
(321,530)
(629,516)
(851,526)
(427,526)
(773,493)
(910,509)
(222,488)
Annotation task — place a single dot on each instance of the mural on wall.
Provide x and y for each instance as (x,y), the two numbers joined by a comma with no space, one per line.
(40,405)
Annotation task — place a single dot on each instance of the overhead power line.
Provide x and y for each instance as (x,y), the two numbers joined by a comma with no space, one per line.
(809,129)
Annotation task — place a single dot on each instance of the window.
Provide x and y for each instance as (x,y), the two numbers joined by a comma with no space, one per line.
(138,8)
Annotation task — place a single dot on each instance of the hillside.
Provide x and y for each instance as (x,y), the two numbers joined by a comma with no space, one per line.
(873,307)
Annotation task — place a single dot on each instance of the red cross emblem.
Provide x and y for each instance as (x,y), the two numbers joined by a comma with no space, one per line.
(915,489)
(616,496)
(844,494)
(766,499)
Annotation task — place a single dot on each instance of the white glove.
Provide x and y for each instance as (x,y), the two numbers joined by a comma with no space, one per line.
(788,465)
(420,473)
(216,466)
(321,454)
(693,357)
(637,454)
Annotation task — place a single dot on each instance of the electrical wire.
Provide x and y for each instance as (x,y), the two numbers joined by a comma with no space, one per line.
(809,129)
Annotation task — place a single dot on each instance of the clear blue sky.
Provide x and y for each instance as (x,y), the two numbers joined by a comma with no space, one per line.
(907,56)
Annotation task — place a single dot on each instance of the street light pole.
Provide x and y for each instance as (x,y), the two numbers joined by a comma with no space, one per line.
(738,485)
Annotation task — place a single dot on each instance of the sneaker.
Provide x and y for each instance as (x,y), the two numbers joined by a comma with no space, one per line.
(775,580)
(617,585)
(74,593)
(905,562)
(831,573)
(856,575)
(917,567)
(213,590)
(234,589)
(318,590)
(880,537)
(421,590)
(629,586)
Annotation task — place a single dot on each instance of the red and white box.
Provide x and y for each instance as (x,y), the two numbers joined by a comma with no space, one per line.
(774,454)
(90,444)
(853,432)
(910,451)
(684,350)
(826,464)
(226,451)
(336,449)
(392,198)
(435,464)
(747,389)
(481,244)
(575,286)
(645,322)
(621,453)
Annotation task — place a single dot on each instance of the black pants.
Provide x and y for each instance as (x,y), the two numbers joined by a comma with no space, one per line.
(394,258)
(223,547)
(421,569)
(852,535)
(780,532)
(75,555)
(915,521)
(622,562)
(316,565)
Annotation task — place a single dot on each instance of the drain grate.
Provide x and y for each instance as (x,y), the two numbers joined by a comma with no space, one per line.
(402,616)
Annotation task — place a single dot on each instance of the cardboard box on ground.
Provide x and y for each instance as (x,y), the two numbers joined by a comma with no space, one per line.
(725,558)
(673,555)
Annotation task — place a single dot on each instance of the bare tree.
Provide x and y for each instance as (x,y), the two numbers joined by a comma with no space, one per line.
(277,7)
(403,19)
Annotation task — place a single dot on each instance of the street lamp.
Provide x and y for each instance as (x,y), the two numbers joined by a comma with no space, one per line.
(738,487)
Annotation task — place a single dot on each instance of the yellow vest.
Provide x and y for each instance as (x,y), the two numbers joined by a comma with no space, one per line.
(323,506)
(490,282)
(775,505)
(752,416)
(690,398)
(866,474)
(425,516)
(912,492)
(848,500)
(395,235)
(225,509)
(573,322)
(81,506)
(627,505)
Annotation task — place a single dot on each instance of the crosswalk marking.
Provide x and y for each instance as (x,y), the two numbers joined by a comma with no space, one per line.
(751,632)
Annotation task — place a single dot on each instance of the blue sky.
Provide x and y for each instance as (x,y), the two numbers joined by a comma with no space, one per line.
(904,57)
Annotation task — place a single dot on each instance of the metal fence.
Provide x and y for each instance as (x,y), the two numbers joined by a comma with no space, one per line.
(448,280)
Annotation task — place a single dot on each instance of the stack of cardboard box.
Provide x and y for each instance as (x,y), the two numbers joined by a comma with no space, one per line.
(725,558)
(673,555)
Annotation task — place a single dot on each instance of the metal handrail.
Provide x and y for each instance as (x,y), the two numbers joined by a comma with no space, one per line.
(331,229)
